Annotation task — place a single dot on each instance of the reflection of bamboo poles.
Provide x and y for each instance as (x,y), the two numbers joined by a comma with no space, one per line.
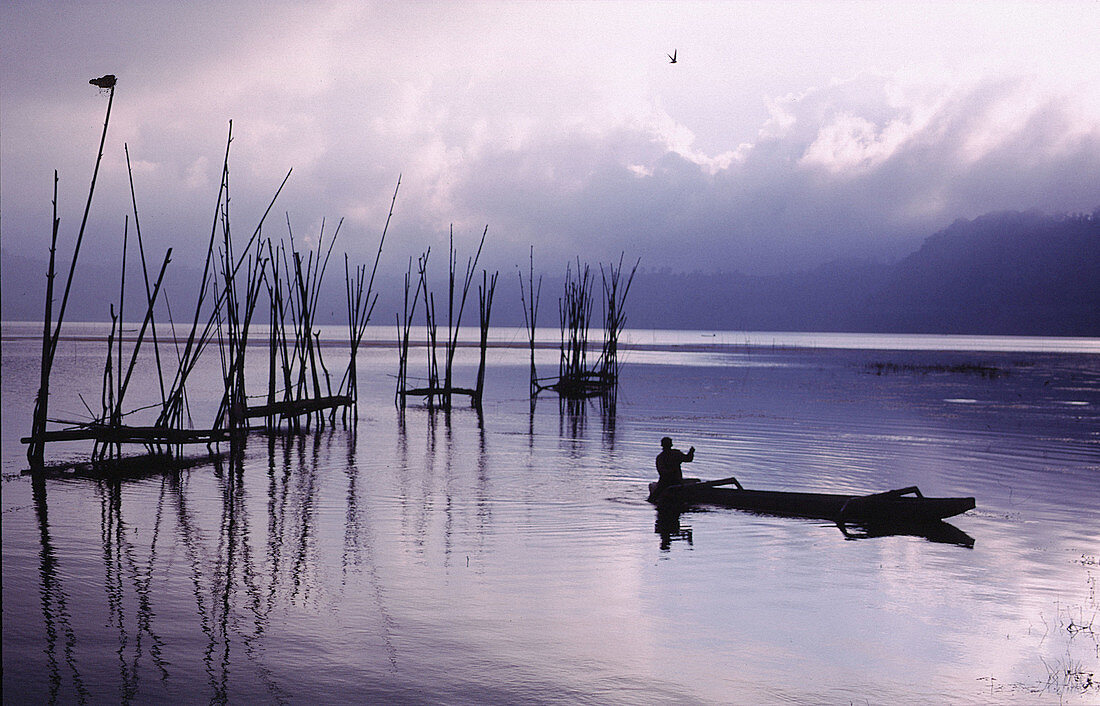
(55,602)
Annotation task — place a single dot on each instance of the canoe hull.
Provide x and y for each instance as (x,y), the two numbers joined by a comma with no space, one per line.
(823,506)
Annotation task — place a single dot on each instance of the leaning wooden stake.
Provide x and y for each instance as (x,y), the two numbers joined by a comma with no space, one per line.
(530,313)
(145,272)
(361,306)
(404,326)
(36,448)
(485,306)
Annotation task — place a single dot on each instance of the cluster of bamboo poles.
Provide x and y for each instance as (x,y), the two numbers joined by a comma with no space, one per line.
(575,378)
(296,361)
(299,391)
(229,293)
(437,393)
(106,427)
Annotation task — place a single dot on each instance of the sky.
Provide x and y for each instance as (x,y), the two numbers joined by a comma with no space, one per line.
(787,134)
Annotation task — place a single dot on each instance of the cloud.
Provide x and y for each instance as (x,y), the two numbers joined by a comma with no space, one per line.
(565,129)
(859,167)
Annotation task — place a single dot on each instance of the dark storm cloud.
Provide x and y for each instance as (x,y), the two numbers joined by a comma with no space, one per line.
(559,125)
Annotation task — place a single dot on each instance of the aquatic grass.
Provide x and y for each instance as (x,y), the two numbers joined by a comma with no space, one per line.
(979,369)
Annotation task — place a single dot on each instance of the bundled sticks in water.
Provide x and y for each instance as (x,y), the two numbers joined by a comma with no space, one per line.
(433,391)
(106,429)
(299,391)
(294,287)
(575,379)
(227,299)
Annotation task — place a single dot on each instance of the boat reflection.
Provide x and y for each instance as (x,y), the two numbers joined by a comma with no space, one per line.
(670,529)
(939,532)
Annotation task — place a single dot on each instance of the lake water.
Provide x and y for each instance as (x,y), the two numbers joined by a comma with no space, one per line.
(511,557)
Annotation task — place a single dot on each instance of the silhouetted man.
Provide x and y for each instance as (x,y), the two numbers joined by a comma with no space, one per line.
(668,463)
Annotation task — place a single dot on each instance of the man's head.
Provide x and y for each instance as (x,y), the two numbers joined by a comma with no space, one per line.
(666,443)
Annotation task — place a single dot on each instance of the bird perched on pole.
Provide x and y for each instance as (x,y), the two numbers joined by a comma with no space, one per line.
(107,81)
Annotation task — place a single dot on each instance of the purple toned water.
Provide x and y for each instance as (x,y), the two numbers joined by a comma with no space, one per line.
(512,557)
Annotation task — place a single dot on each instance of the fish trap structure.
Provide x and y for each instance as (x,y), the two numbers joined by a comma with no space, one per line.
(577,378)
(437,393)
(228,294)
(296,367)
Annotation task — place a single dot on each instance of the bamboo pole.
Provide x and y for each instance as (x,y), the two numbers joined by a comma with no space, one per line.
(357,317)
(172,410)
(530,314)
(485,307)
(36,450)
(404,328)
(141,334)
(144,271)
(452,332)
(116,414)
(83,223)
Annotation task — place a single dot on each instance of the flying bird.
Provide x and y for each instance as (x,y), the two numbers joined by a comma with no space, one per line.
(107,81)
(671,57)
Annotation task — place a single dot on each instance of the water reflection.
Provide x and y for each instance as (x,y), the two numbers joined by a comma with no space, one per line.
(573,417)
(120,564)
(670,529)
(440,474)
(938,532)
(236,586)
(55,604)
(359,549)
(338,561)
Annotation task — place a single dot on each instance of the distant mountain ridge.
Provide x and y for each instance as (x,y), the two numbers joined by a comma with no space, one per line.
(1006,273)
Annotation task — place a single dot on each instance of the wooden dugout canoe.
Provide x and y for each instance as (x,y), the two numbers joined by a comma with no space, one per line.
(902,506)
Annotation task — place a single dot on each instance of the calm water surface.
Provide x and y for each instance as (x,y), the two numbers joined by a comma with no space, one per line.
(511,557)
